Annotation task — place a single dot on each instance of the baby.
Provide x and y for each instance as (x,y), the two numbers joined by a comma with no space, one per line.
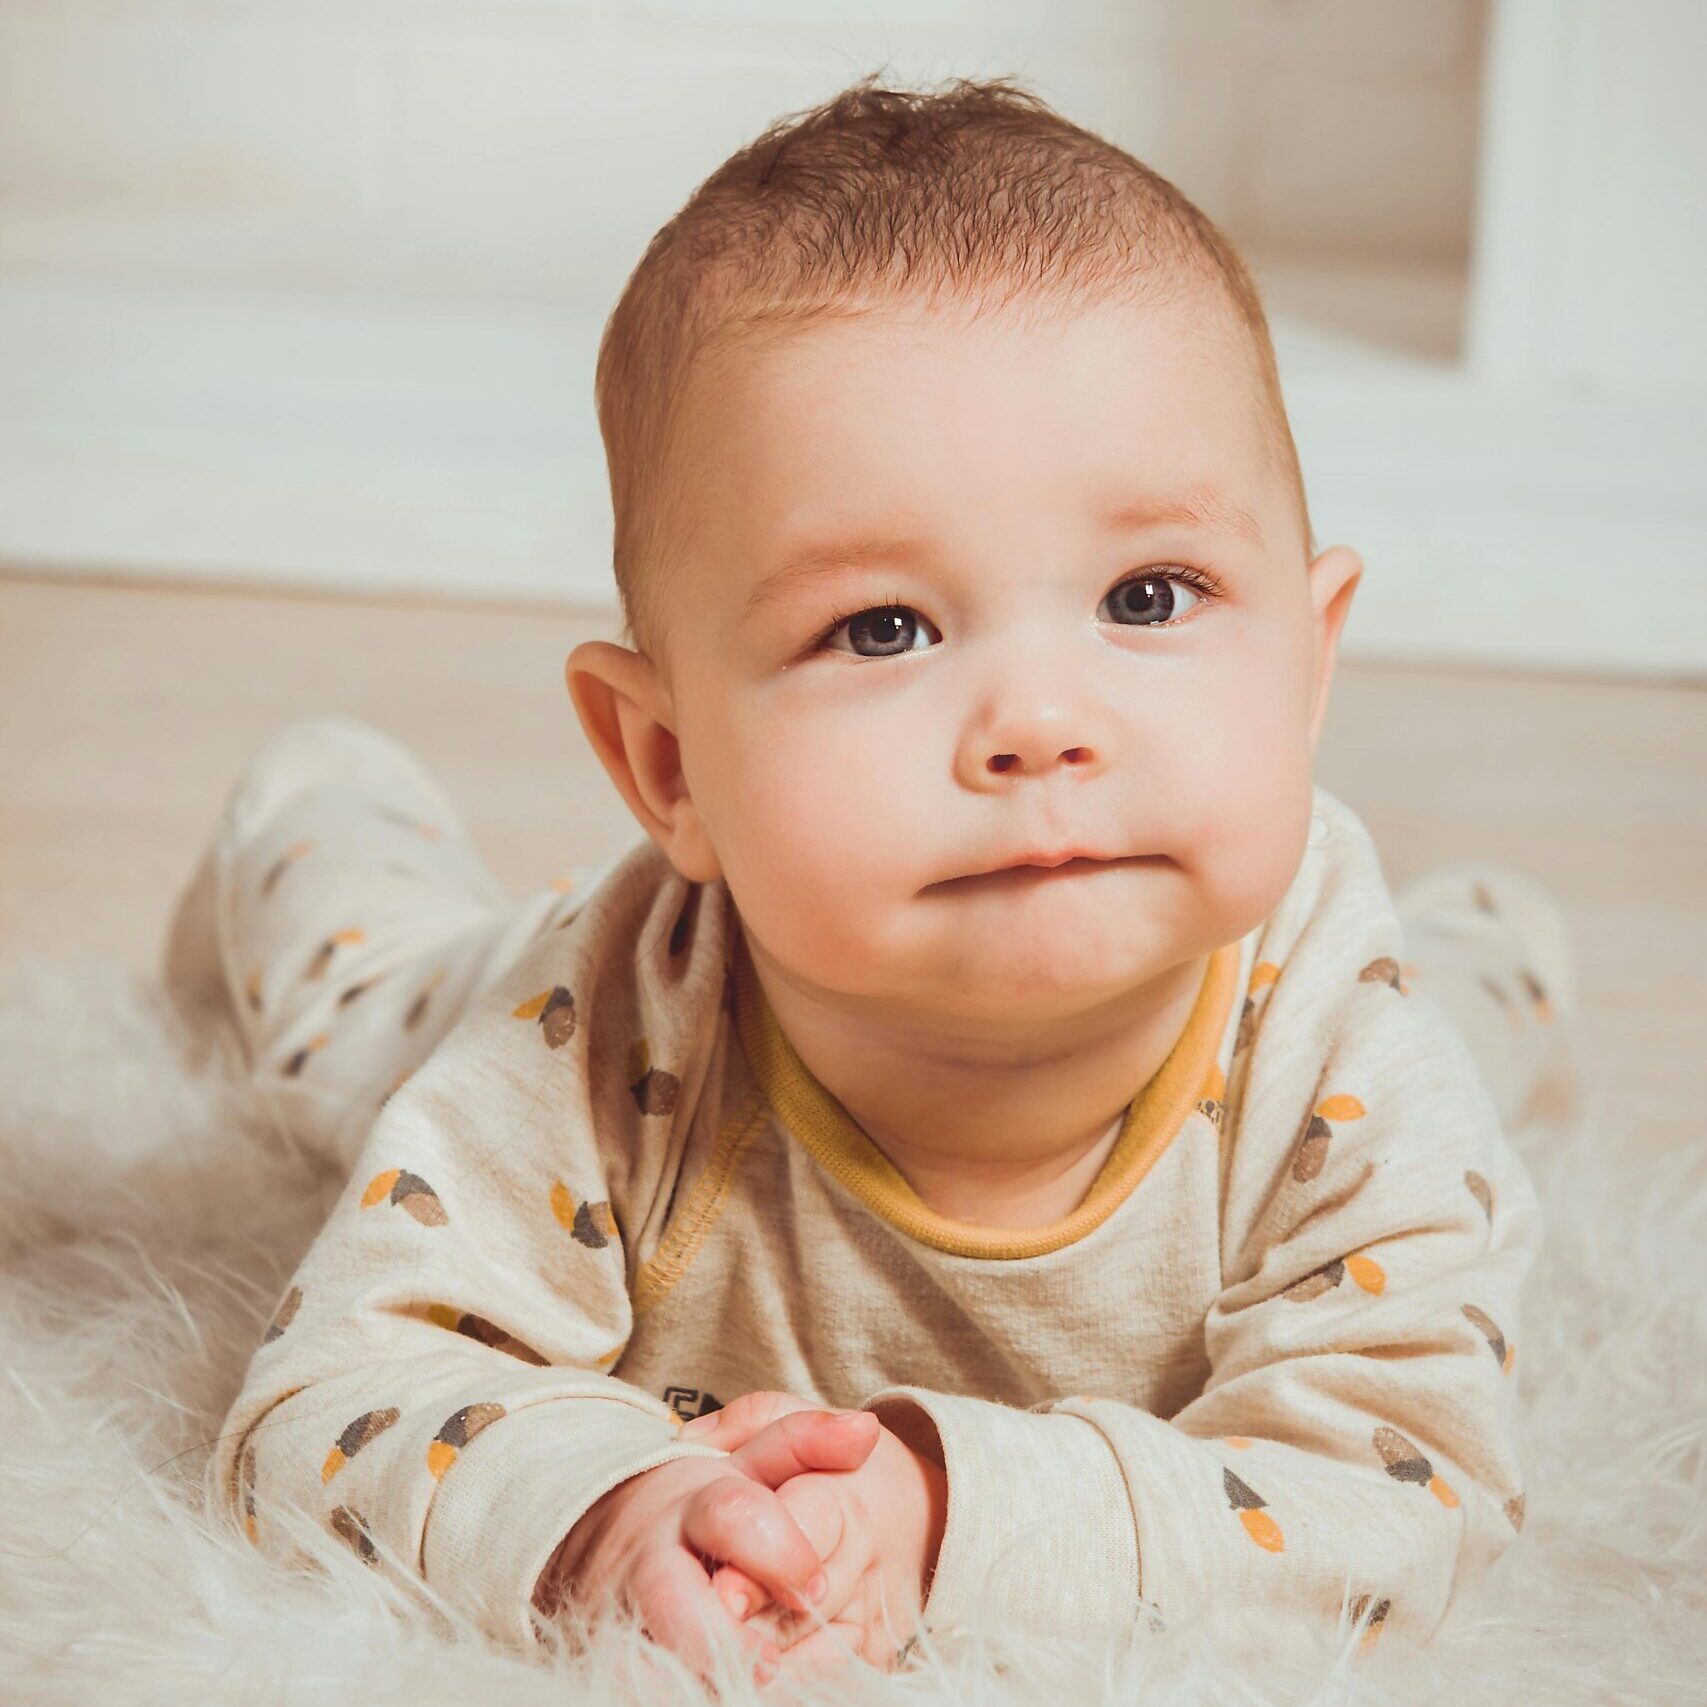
(987,1151)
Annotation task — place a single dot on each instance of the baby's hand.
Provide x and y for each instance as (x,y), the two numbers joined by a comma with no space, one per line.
(877,1527)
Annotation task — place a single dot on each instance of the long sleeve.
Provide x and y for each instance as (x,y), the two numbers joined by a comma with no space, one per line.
(1353,1444)
(434,1390)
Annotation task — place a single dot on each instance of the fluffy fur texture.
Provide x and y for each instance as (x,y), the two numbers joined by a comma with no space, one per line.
(149,1220)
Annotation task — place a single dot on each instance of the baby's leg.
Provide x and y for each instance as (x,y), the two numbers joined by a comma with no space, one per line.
(1490,945)
(344,919)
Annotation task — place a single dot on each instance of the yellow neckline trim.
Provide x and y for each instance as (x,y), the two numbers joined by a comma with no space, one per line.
(829,1134)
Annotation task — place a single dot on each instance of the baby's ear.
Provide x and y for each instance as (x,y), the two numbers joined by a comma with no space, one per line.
(627,716)
(1333,579)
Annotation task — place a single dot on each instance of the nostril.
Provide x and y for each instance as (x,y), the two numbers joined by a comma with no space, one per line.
(1003,761)
(1075,755)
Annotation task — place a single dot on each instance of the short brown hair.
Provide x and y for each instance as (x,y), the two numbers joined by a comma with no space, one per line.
(980,192)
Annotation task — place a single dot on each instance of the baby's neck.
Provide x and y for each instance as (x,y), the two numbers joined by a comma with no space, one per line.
(991,1131)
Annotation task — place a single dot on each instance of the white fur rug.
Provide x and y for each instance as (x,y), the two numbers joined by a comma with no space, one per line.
(148,1220)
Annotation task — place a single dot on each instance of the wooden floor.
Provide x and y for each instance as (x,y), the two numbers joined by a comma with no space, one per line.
(125,712)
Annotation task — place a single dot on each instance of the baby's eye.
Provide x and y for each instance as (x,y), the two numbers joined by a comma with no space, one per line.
(889,629)
(1151,600)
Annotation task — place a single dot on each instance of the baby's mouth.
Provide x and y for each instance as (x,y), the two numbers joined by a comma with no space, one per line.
(1025,876)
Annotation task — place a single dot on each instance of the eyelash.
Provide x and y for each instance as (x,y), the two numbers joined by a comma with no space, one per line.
(1200,581)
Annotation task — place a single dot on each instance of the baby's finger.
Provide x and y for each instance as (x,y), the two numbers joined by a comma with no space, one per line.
(739,1593)
(807,1440)
(679,1611)
(736,1518)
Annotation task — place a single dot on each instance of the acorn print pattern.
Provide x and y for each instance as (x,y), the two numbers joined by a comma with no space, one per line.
(1249,1505)
(284,1315)
(1364,1271)
(1480,1190)
(430,832)
(282,864)
(355,990)
(1486,1327)
(1263,976)
(351,1528)
(1213,1100)
(323,954)
(1377,1610)
(592,1224)
(409,1192)
(368,1426)
(460,1427)
(299,1059)
(475,1327)
(1514,1511)
(418,1007)
(1383,971)
(1318,1134)
(1405,1463)
(555,1011)
(654,1089)
(252,989)
(1532,988)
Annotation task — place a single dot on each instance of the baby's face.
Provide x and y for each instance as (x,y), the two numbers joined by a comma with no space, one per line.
(1046,653)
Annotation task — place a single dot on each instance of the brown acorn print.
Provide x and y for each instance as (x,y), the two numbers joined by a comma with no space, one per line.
(409,1192)
(475,1327)
(555,1011)
(1364,1271)
(1382,971)
(1503,997)
(351,1527)
(654,1090)
(323,954)
(282,864)
(252,989)
(247,1470)
(1485,1326)
(460,1428)
(592,1224)
(1405,1463)
(1263,976)
(284,1315)
(1377,1610)
(1480,1190)
(1484,898)
(1212,1100)
(366,1427)
(418,1007)
(1532,988)
(300,1059)
(682,929)
(1318,1134)
(1249,1505)
(349,995)
(431,832)
(1514,1511)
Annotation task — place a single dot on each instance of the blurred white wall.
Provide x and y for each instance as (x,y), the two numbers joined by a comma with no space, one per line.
(310,290)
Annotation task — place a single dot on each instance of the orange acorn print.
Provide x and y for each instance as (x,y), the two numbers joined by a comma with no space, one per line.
(1263,976)
(683,927)
(555,1011)
(300,1059)
(1485,1326)
(282,864)
(323,954)
(351,1527)
(460,1428)
(409,1192)
(284,1315)
(1532,988)
(1249,1504)
(252,989)
(1405,1463)
(1480,1190)
(1514,1511)
(1382,971)
(1377,1610)
(592,1224)
(475,1327)
(654,1090)
(366,1427)
(418,1007)
(1318,1134)
(1238,1442)
(1213,1099)
(1364,1271)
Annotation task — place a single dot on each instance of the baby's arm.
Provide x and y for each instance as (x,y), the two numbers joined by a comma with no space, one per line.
(434,1391)
(1353,1445)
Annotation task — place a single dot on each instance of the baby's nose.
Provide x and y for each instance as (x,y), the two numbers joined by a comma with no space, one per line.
(1040,759)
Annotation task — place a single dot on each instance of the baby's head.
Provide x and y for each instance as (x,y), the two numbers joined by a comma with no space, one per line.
(959,523)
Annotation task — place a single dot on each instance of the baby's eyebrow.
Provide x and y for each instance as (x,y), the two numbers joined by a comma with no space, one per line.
(1204,507)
